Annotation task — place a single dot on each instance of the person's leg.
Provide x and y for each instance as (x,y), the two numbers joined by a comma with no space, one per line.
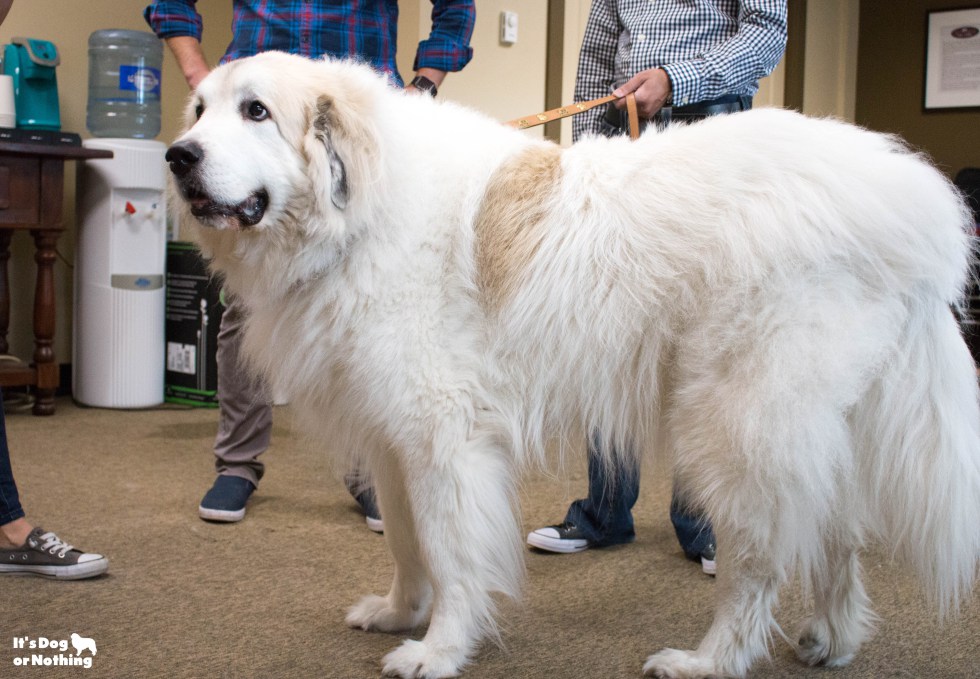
(694,533)
(361,488)
(244,424)
(12,520)
(34,551)
(604,517)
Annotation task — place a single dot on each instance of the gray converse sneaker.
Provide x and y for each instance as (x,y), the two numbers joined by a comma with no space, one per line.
(47,555)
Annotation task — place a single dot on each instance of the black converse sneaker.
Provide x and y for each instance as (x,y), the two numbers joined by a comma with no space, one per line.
(563,538)
(45,554)
(367,500)
(708,564)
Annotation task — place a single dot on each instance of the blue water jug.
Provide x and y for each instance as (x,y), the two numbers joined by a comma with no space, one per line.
(124,84)
(31,62)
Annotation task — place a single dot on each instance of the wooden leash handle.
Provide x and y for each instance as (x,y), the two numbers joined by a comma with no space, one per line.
(581,107)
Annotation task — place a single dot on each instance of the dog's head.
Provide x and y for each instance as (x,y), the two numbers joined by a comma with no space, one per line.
(275,143)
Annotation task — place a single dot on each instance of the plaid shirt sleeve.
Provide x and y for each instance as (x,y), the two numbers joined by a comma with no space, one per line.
(448,45)
(171,18)
(746,57)
(596,64)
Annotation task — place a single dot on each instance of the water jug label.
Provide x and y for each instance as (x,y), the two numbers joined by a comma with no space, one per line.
(139,79)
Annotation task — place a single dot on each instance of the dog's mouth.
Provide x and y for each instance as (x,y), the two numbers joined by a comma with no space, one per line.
(248,212)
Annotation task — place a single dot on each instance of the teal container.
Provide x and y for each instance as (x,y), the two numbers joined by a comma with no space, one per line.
(31,63)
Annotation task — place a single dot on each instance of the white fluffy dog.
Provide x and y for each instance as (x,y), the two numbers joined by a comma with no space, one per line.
(762,297)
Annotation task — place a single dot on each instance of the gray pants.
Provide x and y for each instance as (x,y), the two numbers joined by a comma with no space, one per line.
(245,405)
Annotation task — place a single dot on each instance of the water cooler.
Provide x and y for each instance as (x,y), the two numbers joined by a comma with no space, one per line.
(120,262)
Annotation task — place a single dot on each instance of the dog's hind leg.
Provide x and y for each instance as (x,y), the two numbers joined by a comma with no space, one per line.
(408,602)
(760,439)
(740,632)
(842,619)
(463,508)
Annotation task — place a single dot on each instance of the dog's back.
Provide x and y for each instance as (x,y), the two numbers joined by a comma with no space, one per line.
(622,253)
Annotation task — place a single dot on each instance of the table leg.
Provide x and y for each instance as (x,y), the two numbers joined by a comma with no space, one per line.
(44,322)
(4,290)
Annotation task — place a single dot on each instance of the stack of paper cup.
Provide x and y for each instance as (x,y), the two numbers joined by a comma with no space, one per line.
(8,114)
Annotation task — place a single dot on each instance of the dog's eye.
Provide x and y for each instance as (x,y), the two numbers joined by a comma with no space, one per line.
(257,111)
(199,111)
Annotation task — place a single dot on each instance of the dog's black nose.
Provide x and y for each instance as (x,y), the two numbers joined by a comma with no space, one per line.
(183,156)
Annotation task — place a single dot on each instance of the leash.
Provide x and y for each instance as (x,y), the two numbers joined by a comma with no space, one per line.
(582,107)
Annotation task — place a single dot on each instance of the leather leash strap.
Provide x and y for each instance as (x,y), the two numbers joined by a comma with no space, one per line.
(581,107)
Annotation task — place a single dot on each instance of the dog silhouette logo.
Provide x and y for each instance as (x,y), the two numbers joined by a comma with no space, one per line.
(82,643)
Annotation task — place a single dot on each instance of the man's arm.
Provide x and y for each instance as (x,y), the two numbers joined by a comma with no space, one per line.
(190,58)
(448,45)
(179,24)
(746,57)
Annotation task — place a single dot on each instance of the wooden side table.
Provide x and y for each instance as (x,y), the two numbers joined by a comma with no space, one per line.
(31,193)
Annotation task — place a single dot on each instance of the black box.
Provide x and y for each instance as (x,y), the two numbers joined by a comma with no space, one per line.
(194,311)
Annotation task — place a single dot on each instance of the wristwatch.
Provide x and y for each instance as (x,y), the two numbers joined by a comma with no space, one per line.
(423,84)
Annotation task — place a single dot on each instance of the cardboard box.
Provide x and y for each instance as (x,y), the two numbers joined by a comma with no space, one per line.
(194,311)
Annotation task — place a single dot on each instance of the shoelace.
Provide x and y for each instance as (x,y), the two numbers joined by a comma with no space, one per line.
(53,543)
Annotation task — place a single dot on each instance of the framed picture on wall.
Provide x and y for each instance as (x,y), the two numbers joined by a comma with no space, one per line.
(953,59)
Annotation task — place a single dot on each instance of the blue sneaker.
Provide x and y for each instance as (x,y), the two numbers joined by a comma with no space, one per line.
(226,500)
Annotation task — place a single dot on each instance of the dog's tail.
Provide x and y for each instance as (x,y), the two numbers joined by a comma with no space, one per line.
(922,476)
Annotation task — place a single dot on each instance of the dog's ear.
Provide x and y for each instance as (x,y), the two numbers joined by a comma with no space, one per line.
(326,164)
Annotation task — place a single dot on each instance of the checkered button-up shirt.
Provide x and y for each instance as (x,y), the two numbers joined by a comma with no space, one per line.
(709,48)
(341,28)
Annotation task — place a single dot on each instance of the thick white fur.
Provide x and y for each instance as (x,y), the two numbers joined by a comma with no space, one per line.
(763,297)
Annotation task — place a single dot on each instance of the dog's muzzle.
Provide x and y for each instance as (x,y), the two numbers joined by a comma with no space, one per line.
(184,158)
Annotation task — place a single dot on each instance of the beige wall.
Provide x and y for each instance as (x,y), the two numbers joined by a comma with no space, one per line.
(830,68)
(503,81)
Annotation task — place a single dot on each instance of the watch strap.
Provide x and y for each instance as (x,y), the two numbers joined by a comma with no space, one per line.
(421,83)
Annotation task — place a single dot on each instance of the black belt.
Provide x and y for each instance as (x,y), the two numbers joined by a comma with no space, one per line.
(730,103)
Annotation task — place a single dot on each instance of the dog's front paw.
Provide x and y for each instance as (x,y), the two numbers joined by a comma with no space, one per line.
(673,664)
(415,660)
(374,613)
(816,648)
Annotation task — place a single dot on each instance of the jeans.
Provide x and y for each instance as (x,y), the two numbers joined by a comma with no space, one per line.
(10,509)
(605,517)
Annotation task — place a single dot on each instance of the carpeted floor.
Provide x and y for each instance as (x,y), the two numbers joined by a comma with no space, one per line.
(266,597)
